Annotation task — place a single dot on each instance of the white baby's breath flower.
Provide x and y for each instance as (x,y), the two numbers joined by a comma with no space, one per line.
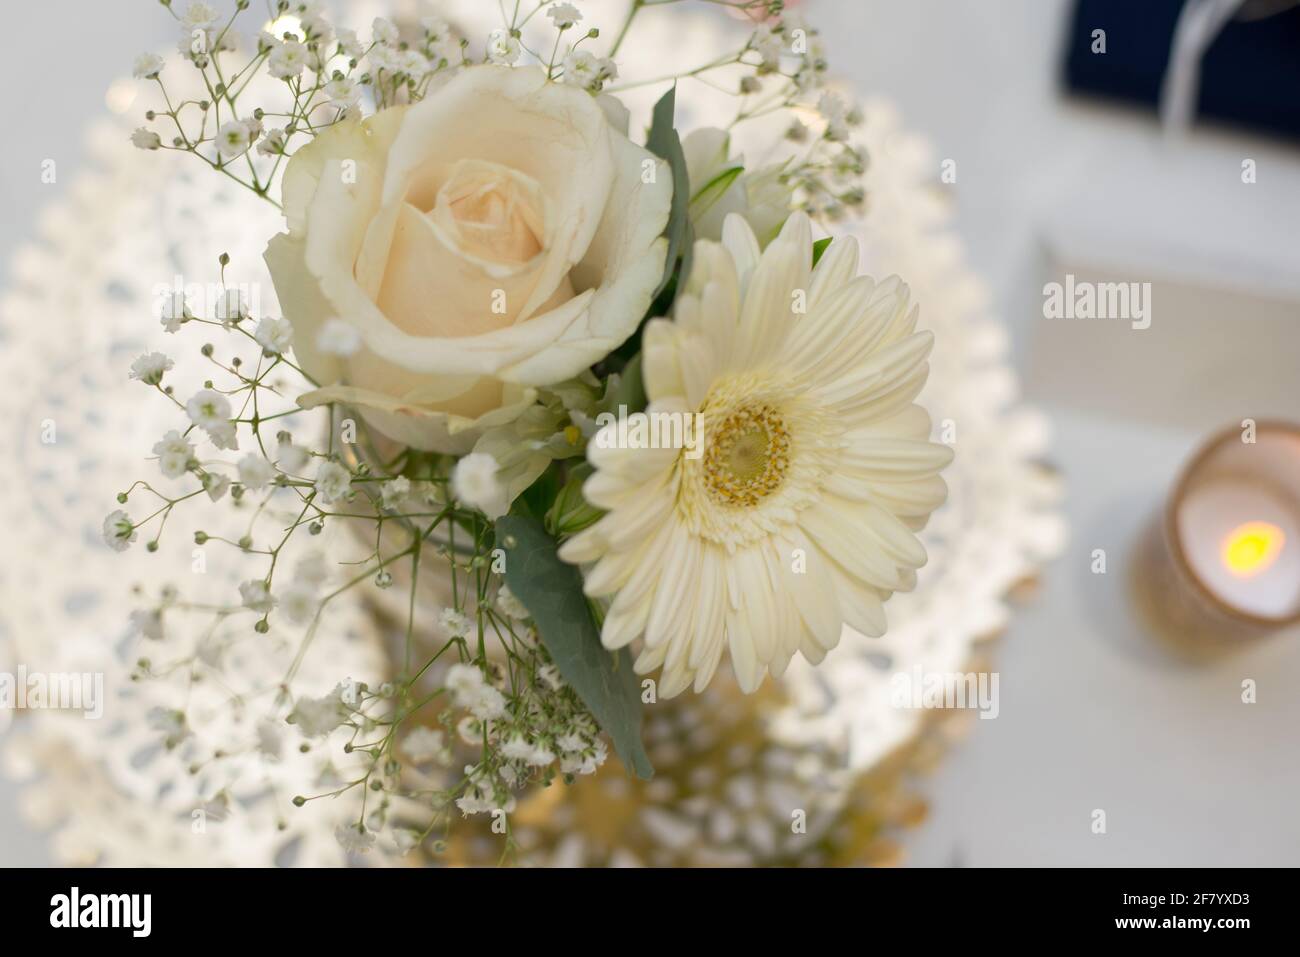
(572,741)
(350,693)
(384,59)
(170,723)
(485,703)
(413,63)
(519,748)
(333,482)
(509,605)
(150,367)
(199,16)
(342,92)
(146,139)
(768,46)
(147,66)
(287,59)
(224,436)
(316,27)
(147,623)
(516,748)
(469,730)
(584,69)
(477,799)
(272,144)
(435,27)
(835,112)
(255,595)
(405,840)
(209,410)
(173,311)
(229,307)
(454,623)
(585,762)
(291,459)
(426,744)
(317,717)
(550,676)
(274,335)
(255,472)
(564,15)
(394,493)
(354,838)
(445,47)
(385,31)
(350,45)
(299,603)
(475,483)
(269,741)
(174,454)
(233,139)
(338,338)
(540,757)
(463,679)
(430,494)
(581,68)
(502,48)
(216,486)
(119,533)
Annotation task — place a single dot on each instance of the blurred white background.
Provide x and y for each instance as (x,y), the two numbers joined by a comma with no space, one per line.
(1094,714)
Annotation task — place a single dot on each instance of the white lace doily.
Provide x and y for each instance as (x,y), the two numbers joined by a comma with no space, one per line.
(79,309)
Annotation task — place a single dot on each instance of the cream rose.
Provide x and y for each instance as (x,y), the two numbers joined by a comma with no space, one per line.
(499,235)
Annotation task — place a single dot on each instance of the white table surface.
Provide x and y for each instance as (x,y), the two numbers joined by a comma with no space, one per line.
(1094,714)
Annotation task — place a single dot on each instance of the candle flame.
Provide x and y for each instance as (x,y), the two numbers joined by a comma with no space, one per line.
(1252,548)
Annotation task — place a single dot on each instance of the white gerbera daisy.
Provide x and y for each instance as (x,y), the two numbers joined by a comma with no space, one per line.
(796,515)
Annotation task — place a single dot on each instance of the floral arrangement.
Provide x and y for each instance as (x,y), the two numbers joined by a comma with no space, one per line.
(596,402)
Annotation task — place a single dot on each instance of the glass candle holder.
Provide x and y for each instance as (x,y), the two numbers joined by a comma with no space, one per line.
(1223,560)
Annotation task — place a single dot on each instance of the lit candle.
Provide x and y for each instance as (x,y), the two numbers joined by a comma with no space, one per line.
(1226,559)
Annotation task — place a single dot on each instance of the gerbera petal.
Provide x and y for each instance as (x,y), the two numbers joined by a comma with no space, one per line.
(836,269)
(806,580)
(840,538)
(739,240)
(885,369)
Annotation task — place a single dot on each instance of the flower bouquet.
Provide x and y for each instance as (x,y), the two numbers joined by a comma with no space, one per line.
(588,409)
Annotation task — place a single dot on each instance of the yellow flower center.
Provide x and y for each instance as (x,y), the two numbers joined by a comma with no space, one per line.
(747,456)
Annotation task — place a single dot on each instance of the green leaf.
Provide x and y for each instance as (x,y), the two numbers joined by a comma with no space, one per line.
(551,590)
(819,247)
(627,390)
(714,190)
(537,498)
(664,142)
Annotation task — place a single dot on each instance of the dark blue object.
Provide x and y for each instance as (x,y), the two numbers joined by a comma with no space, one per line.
(1250,75)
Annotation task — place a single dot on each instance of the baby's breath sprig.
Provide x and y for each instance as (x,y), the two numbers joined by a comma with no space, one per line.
(472,690)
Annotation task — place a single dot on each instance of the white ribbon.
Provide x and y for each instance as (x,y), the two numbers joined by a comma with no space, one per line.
(1198,24)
